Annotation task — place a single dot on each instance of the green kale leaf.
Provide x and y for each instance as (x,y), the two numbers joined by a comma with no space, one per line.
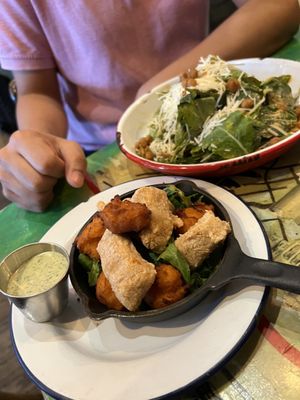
(193,111)
(235,137)
(92,268)
(279,92)
(179,199)
(176,259)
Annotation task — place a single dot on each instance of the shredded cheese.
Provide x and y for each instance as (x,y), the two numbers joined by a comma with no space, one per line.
(166,122)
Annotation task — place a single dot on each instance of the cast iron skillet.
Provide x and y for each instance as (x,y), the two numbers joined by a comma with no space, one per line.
(231,264)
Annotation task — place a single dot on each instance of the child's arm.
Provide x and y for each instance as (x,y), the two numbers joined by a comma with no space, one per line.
(39,105)
(37,155)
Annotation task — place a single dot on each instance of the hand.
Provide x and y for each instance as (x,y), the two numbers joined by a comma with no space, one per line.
(31,164)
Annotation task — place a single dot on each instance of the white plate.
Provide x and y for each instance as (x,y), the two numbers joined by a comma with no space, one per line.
(76,358)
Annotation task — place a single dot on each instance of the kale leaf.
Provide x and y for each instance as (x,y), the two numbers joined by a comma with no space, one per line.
(193,111)
(235,137)
(176,259)
(92,268)
(179,199)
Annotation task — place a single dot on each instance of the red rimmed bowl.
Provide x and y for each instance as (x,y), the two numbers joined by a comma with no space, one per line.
(134,124)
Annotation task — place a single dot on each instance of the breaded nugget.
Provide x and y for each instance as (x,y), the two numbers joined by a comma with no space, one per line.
(128,273)
(190,215)
(124,216)
(162,222)
(202,238)
(105,294)
(168,287)
(88,239)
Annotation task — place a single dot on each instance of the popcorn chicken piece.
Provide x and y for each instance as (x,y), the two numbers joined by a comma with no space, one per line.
(125,216)
(162,222)
(128,273)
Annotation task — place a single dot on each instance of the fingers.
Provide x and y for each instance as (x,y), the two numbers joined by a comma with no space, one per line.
(32,162)
(16,170)
(29,168)
(31,201)
(75,163)
(39,152)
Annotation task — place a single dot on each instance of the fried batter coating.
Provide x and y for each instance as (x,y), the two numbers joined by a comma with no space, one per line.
(202,238)
(128,273)
(105,294)
(190,215)
(168,287)
(88,239)
(124,216)
(157,234)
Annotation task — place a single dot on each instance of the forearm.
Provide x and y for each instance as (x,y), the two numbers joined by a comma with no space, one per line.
(39,103)
(41,113)
(257,29)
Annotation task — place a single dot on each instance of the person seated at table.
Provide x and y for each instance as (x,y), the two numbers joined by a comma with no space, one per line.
(79,64)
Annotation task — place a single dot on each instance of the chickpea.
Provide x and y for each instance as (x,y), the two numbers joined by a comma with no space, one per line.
(191,82)
(233,85)
(148,154)
(142,147)
(247,103)
(149,139)
(192,73)
(183,76)
(142,142)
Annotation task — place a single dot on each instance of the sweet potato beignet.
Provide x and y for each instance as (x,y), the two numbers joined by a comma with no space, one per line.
(128,273)
(191,215)
(162,222)
(167,288)
(88,240)
(105,294)
(202,238)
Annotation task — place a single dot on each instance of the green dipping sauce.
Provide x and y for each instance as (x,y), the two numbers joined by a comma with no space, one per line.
(38,274)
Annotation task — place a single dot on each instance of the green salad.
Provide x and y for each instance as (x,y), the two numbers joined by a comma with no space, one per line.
(217,112)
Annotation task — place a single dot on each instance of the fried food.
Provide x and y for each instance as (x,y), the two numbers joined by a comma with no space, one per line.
(128,273)
(88,239)
(168,287)
(202,238)
(124,216)
(105,294)
(190,215)
(100,205)
(162,222)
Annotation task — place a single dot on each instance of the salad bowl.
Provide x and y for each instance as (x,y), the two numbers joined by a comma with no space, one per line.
(136,120)
(227,264)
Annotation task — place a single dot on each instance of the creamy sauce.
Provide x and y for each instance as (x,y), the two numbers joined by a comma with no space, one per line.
(38,274)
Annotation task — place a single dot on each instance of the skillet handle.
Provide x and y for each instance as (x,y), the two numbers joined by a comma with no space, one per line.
(270,273)
(237,265)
